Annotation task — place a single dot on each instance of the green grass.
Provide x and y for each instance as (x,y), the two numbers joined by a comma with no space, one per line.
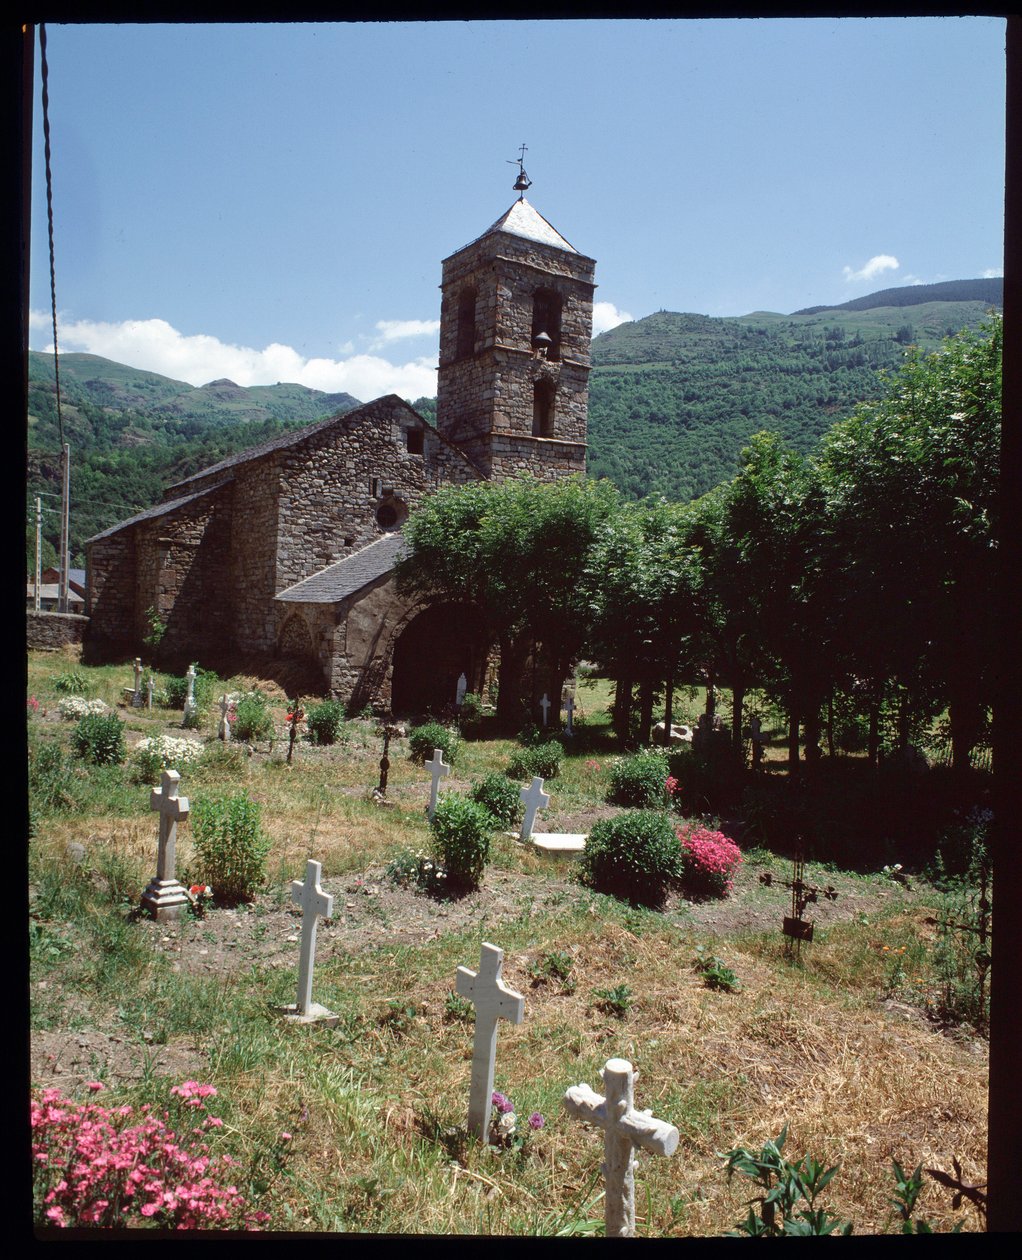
(376,1106)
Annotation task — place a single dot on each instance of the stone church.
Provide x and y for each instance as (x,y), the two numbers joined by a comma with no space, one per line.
(287,549)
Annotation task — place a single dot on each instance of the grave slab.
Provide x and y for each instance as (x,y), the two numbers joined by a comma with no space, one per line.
(559,841)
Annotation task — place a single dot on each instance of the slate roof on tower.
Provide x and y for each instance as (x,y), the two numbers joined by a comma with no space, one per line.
(523,219)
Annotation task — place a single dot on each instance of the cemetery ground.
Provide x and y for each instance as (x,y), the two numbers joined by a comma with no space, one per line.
(361,1126)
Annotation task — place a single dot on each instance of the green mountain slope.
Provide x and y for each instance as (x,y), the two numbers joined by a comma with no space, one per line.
(674,397)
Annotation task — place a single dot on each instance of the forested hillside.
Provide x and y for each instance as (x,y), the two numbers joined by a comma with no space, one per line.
(673,400)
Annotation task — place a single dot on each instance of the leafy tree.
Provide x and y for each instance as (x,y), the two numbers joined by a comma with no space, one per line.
(517,550)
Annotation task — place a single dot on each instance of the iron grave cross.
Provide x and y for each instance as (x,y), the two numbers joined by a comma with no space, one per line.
(493,1000)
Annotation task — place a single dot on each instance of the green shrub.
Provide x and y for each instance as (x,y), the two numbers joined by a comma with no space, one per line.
(461,838)
(470,713)
(99,738)
(207,686)
(254,720)
(51,780)
(325,722)
(635,856)
(71,683)
(640,780)
(423,739)
(230,846)
(542,759)
(501,797)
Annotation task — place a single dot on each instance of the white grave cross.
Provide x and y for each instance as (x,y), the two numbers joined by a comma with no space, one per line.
(439,771)
(136,699)
(190,705)
(624,1128)
(164,897)
(533,798)
(493,1000)
(314,903)
(172,808)
(544,704)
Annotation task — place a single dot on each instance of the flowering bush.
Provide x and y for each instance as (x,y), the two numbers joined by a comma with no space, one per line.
(150,756)
(74,708)
(32,704)
(113,1167)
(504,1123)
(710,861)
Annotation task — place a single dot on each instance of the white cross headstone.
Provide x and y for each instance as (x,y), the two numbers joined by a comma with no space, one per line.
(544,704)
(314,903)
(569,709)
(439,771)
(190,705)
(493,1000)
(164,897)
(149,691)
(624,1128)
(462,687)
(533,798)
(136,698)
(224,731)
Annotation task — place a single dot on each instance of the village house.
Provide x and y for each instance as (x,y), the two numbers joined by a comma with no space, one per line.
(287,549)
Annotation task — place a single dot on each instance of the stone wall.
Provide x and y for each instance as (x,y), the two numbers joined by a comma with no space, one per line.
(110,593)
(52,631)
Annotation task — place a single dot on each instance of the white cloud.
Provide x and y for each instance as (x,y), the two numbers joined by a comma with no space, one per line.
(153,345)
(399,329)
(993,273)
(607,316)
(876,266)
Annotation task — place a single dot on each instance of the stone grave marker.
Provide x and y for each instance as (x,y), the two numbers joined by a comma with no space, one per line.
(438,771)
(164,898)
(315,904)
(462,687)
(136,695)
(569,709)
(624,1128)
(149,692)
(533,798)
(544,704)
(493,1000)
(224,729)
(191,707)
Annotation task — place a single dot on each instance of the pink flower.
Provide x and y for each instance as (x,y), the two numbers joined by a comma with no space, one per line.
(94,1086)
(285,1136)
(536,1121)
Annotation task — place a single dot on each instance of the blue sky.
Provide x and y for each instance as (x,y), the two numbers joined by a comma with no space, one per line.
(272,202)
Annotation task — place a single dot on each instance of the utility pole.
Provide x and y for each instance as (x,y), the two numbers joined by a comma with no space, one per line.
(65,511)
(38,549)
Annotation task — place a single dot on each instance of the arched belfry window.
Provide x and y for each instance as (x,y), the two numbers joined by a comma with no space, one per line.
(543,393)
(466,323)
(546,318)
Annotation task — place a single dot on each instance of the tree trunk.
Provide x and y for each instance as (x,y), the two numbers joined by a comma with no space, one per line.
(621,713)
(645,710)
(873,745)
(737,742)
(830,724)
(510,690)
(793,723)
(668,708)
(812,725)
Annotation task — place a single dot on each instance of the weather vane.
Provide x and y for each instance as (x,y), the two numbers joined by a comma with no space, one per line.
(523,181)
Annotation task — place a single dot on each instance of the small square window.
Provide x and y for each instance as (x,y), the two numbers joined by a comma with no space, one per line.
(413,441)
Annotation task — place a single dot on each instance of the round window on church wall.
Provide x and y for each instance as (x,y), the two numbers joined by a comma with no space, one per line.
(391,514)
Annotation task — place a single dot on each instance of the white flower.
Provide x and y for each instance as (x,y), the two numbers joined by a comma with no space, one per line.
(170,750)
(73,708)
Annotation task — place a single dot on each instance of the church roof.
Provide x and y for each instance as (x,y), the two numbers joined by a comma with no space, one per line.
(525,220)
(161,509)
(349,575)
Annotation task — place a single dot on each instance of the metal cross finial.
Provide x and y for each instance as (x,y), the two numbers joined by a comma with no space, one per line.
(523,181)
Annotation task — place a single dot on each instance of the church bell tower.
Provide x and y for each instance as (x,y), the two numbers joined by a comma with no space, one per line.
(516,320)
